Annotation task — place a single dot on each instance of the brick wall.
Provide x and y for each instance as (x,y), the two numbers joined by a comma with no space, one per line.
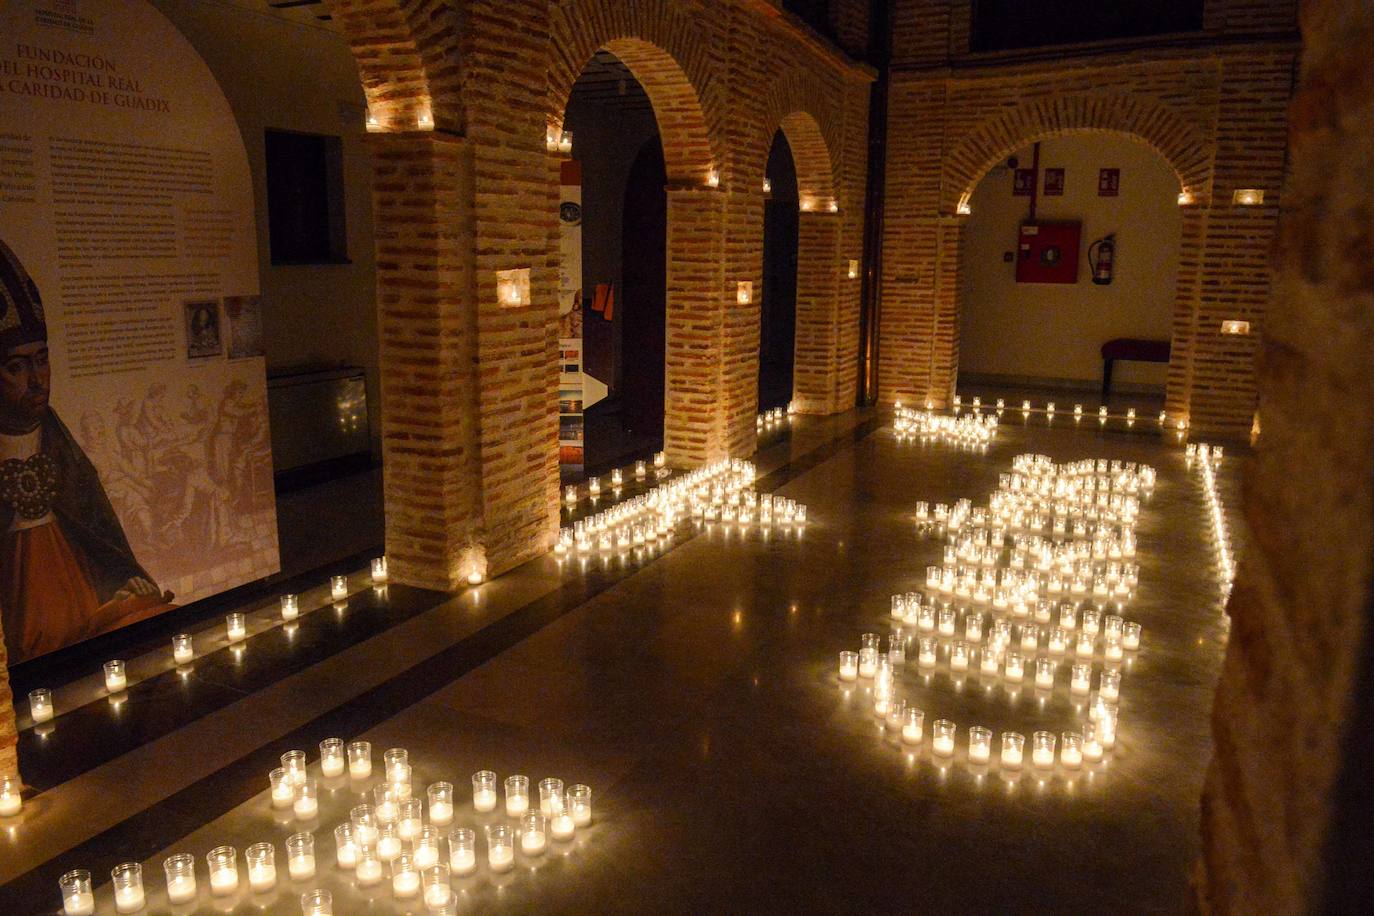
(462,94)
(1214,111)
(1286,804)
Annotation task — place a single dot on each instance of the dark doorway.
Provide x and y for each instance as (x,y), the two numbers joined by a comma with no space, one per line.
(778,311)
(645,278)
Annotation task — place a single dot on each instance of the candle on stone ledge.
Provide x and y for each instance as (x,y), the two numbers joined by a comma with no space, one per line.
(1092,746)
(338,587)
(462,851)
(78,899)
(1071,750)
(958,657)
(379,572)
(262,867)
(115,677)
(1130,636)
(1042,749)
(294,764)
(182,649)
(913,725)
(979,744)
(283,788)
(925,656)
(359,759)
(849,666)
(223,862)
(868,662)
(180,870)
(1014,668)
(236,625)
(484,791)
(127,880)
(332,757)
(517,795)
(40,705)
(300,856)
(290,607)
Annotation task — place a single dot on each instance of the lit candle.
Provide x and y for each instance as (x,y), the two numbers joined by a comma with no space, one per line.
(1071,750)
(346,846)
(224,870)
(283,789)
(868,662)
(580,803)
(385,803)
(180,870)
(405,880)
(77,897)
(359,759)
(410,818)
(943,737)
(182,649)
(332,757)
(318,902)
(389,844)
(236,625)
(365,825)
(562,825)
(300,856)
(1080,679)
(440,796)
(925,656)
(438,892)
(1044,673)
(40,705)
(1085,646)
(1013,749)
(11,801)
(1014,668)
(462,851)
(979,744)
(338,587)
(1130,636)
(379,573)
(913,726)
(500,852)
(115,678)
(128,887)
(517,795)
(307,802)
(849,666)
(425,847)
(1092,746)
(958,657)
(290,607)
(262,867)
(484,791)
(368,871)
(532,835)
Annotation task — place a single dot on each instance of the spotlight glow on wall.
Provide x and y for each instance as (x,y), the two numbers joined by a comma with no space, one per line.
(853,269)
(767,186)
(513,287)
(744,292)
(713,179)
(1247,197)
(1185,198)
(1235,327)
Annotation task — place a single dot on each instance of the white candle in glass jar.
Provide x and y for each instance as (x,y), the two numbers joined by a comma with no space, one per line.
(425,856)
(182,651)
(11,803)
(332,765)
(115,681)
(389,847)
(517,805)
(437,896)
(409,827)
(562,826)
(462,861)
(484,800)
(181,889)
(129,899)
(849,668)
(1070,756)
(305,807)
(500,858)
(82,903)
(369,871)
(441,813)
(532,842)
(262,876)
(1043,757)
(944,745)
(1011,756)
(406,884)
(224,881)
(360,768)
(301,867)
(348,855)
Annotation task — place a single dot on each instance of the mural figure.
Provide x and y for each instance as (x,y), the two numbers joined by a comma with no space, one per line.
(67,571)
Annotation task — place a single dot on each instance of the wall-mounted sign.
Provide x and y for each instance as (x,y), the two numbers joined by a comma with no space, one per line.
(1054,182)
(1108,182)
(1023,183)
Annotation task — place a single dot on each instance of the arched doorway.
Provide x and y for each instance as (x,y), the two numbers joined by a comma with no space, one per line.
(778,310)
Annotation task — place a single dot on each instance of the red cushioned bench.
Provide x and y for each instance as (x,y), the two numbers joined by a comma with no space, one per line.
(1130,348)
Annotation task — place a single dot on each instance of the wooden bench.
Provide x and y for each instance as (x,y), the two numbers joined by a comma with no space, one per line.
(1130,348)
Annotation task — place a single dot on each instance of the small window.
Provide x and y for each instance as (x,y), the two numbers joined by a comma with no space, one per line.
(305,198)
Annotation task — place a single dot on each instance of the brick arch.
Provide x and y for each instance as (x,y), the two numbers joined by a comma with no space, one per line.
(788,109)
(667,55)
(407,54)
(1181,144)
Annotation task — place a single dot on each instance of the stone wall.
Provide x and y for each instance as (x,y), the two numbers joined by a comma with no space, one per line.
(1212,107)
(1287,799)
(470,385)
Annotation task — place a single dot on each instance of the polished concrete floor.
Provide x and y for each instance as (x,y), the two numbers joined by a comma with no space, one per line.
(695,691)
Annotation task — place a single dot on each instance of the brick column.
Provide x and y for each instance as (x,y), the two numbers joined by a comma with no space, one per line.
(922,281)
(427,330)
(816,371)
(694,425)
(9,734)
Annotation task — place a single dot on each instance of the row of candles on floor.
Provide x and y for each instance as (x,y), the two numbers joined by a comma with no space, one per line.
(966,430)
(387,838)
(116,672)
(721,490)
(1050,409)
(774,417)
(1207,459)
(641,471)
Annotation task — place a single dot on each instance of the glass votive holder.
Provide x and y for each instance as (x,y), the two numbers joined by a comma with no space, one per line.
(223,862)
(1058,641)
(1109,685)
(913,725)
(116,679)
(1085,646)
(896,715)
(1014,668)
(365,825)
(405,878)
(438,892)
(958,656)
(379,573)
(439,795)
(11,796)
(945,621)
(533,834)
(1080,679)
(1111,648)
(580,804)
(359,759)
(300,856)
(262,867)
(1092,745)
(290,607)
(849,666)
(346,846)
(1013,749)
(425,847)
(127,880)
(1071,750)
(306,804)
(294,764)
(462,851)
(389,844)
(393,759)
(1092,622)
(942,737)
(550,789)
(868,661)
(1068,620)
(183,649)
(1044,673)
(399,780)
(368,871)
(410,818)
(385,803)
(979,744)
(561,823)
(1042,749)
(517,795)
(333,759)
(570,493)
(338,587)
(484,791)
(990,660)
(318,902)
(180,870)
(40,704)
(500,848)
(78,897)
(1130,636)
(925,652)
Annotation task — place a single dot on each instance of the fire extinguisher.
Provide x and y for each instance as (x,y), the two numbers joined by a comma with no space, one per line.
(1100,257)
